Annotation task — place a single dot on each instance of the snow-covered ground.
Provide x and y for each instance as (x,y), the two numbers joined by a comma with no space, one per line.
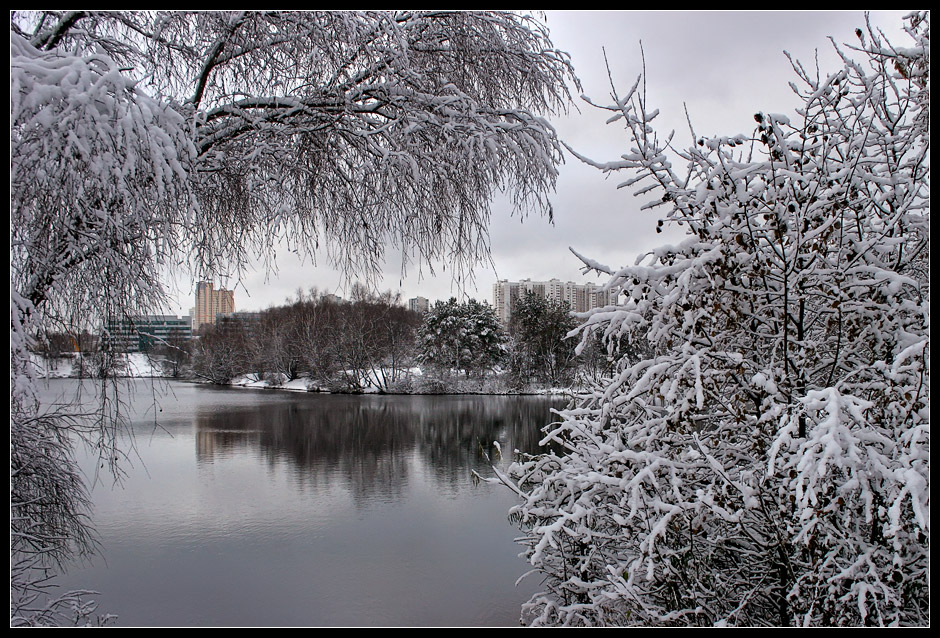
(135,364)
(369,384)
(249,381)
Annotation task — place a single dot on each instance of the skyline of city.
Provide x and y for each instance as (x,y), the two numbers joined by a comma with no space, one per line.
(581,297)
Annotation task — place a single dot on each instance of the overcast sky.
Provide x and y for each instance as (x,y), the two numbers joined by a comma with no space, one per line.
(724,66)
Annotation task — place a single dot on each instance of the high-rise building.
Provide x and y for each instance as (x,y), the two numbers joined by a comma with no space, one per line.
(418,304)
(209,303)
(580,297)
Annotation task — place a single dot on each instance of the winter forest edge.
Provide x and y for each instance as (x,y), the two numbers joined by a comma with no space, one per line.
(759,455)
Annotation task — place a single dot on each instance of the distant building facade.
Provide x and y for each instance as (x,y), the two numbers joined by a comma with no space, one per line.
(580,297)
(143,332)
(418,304)
(211,302)
(226,322)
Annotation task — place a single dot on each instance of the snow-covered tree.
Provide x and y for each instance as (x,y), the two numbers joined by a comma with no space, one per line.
(768,462)
(141,142)
(461,336)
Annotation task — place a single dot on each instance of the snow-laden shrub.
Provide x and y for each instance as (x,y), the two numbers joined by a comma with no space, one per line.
(765,461)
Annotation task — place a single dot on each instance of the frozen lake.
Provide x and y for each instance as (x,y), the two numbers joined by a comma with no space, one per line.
(253,507)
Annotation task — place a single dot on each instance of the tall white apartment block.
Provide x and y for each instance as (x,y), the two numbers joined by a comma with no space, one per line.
(580,297)
(418,304)
(209,303)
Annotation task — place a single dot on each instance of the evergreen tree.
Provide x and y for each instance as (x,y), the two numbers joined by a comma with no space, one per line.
(461,336)
(540,350)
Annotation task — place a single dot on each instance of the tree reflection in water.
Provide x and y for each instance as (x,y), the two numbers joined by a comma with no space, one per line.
(370,441)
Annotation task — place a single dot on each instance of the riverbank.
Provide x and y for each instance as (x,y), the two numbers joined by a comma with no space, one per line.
(414,383)
(409,382)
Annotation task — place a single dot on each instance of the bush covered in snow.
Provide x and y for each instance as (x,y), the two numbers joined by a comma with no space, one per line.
(767,462)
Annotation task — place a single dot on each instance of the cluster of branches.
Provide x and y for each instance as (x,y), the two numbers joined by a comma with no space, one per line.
(329,128)
(93,355)
(344,345)
(142,142)
(767,461)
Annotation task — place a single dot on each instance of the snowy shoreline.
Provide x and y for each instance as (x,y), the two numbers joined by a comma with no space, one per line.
(297,386)
(141,366)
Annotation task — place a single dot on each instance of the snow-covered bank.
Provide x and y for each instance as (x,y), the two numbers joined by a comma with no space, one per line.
(135,364)
(415,382)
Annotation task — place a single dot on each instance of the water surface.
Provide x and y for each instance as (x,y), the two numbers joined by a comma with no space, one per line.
(253,507)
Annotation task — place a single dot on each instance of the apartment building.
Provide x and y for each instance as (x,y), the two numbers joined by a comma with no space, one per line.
(211,302)
(418,304)
(580,297)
